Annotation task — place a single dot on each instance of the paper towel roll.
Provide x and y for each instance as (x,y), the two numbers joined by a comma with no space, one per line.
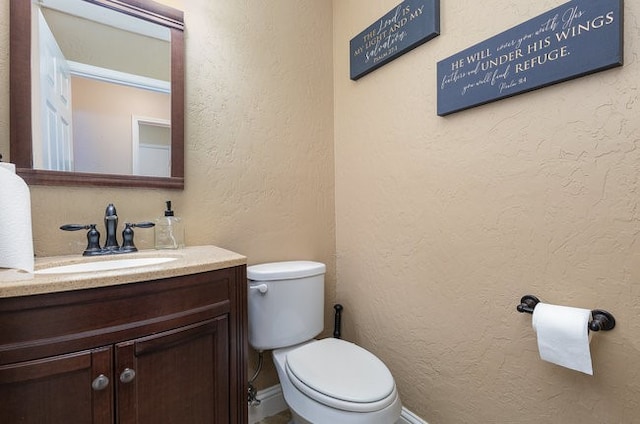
(8,166)
(16,241)
(563,336)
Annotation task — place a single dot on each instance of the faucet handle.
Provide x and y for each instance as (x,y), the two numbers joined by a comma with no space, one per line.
(93,237)
(76,227)
(144,224)
(127,235)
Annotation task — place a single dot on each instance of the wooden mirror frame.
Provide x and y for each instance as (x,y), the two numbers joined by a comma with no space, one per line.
(21,146)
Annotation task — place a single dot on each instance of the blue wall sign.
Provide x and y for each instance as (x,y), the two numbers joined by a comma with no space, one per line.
(575,39)
(404,28)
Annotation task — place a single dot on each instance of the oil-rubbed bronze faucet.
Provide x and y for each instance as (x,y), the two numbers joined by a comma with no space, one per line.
(111,224)
(111,245)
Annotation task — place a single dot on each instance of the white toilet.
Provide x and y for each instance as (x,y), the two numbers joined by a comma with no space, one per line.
(328,381)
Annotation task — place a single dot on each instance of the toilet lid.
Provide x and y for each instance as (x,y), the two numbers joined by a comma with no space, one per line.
(341,375)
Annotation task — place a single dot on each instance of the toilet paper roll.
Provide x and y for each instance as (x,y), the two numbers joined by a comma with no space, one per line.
(563,336)
(8,166)
(16,241)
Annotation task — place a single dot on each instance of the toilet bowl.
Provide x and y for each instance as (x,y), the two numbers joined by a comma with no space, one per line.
(323,381)
(320,388)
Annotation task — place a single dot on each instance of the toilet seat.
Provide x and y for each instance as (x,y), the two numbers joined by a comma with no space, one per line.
(341,375)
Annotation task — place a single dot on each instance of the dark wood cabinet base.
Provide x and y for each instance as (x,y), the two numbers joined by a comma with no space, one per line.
(164,351)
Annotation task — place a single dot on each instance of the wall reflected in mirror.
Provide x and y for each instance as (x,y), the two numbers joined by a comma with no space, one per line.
(101,91)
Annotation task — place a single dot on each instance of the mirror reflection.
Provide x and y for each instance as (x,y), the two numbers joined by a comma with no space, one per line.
(101,91)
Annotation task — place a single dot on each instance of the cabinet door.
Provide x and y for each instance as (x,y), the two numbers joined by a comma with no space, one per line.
(176,377)
(59,389)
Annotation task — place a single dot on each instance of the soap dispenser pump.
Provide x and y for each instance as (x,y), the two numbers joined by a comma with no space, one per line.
(169,231)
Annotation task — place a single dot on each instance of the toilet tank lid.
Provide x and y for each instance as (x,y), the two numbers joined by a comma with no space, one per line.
(284,270)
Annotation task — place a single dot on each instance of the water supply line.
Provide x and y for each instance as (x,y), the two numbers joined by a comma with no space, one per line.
(252,395)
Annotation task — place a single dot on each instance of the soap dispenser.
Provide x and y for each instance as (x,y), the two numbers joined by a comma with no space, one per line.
(169,232)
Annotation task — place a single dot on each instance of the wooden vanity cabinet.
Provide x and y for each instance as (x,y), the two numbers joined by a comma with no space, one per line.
(166,351)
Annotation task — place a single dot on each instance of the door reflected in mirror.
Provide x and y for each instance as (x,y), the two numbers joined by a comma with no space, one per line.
(151,146)
(95,73)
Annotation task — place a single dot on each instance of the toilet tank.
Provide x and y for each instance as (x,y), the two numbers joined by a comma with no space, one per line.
(285,303)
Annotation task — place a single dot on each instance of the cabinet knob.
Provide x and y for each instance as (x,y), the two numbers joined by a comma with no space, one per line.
(100,382)
(127,375)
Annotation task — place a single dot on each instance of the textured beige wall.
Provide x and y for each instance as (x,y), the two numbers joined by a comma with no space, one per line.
(4,79)
(444,223)
(259,139)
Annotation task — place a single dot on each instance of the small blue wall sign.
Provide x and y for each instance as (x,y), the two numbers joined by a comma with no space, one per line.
(407,26)
(578,38)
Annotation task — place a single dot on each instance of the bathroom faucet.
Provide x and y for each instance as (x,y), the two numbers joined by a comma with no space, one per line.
(111,245)
(111,224)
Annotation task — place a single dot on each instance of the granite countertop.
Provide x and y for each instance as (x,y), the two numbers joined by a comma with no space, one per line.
(190,260)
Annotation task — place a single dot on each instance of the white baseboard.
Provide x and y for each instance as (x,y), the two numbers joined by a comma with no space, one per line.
(272,402)
(408,417)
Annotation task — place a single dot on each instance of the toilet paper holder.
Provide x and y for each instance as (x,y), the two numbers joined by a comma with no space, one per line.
(600,320)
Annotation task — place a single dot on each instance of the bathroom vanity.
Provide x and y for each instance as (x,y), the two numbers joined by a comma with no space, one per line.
(163,343)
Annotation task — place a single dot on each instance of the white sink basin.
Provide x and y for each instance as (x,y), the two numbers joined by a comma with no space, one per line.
(104,265)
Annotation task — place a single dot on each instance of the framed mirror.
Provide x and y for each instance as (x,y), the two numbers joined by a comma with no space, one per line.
(145,146)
